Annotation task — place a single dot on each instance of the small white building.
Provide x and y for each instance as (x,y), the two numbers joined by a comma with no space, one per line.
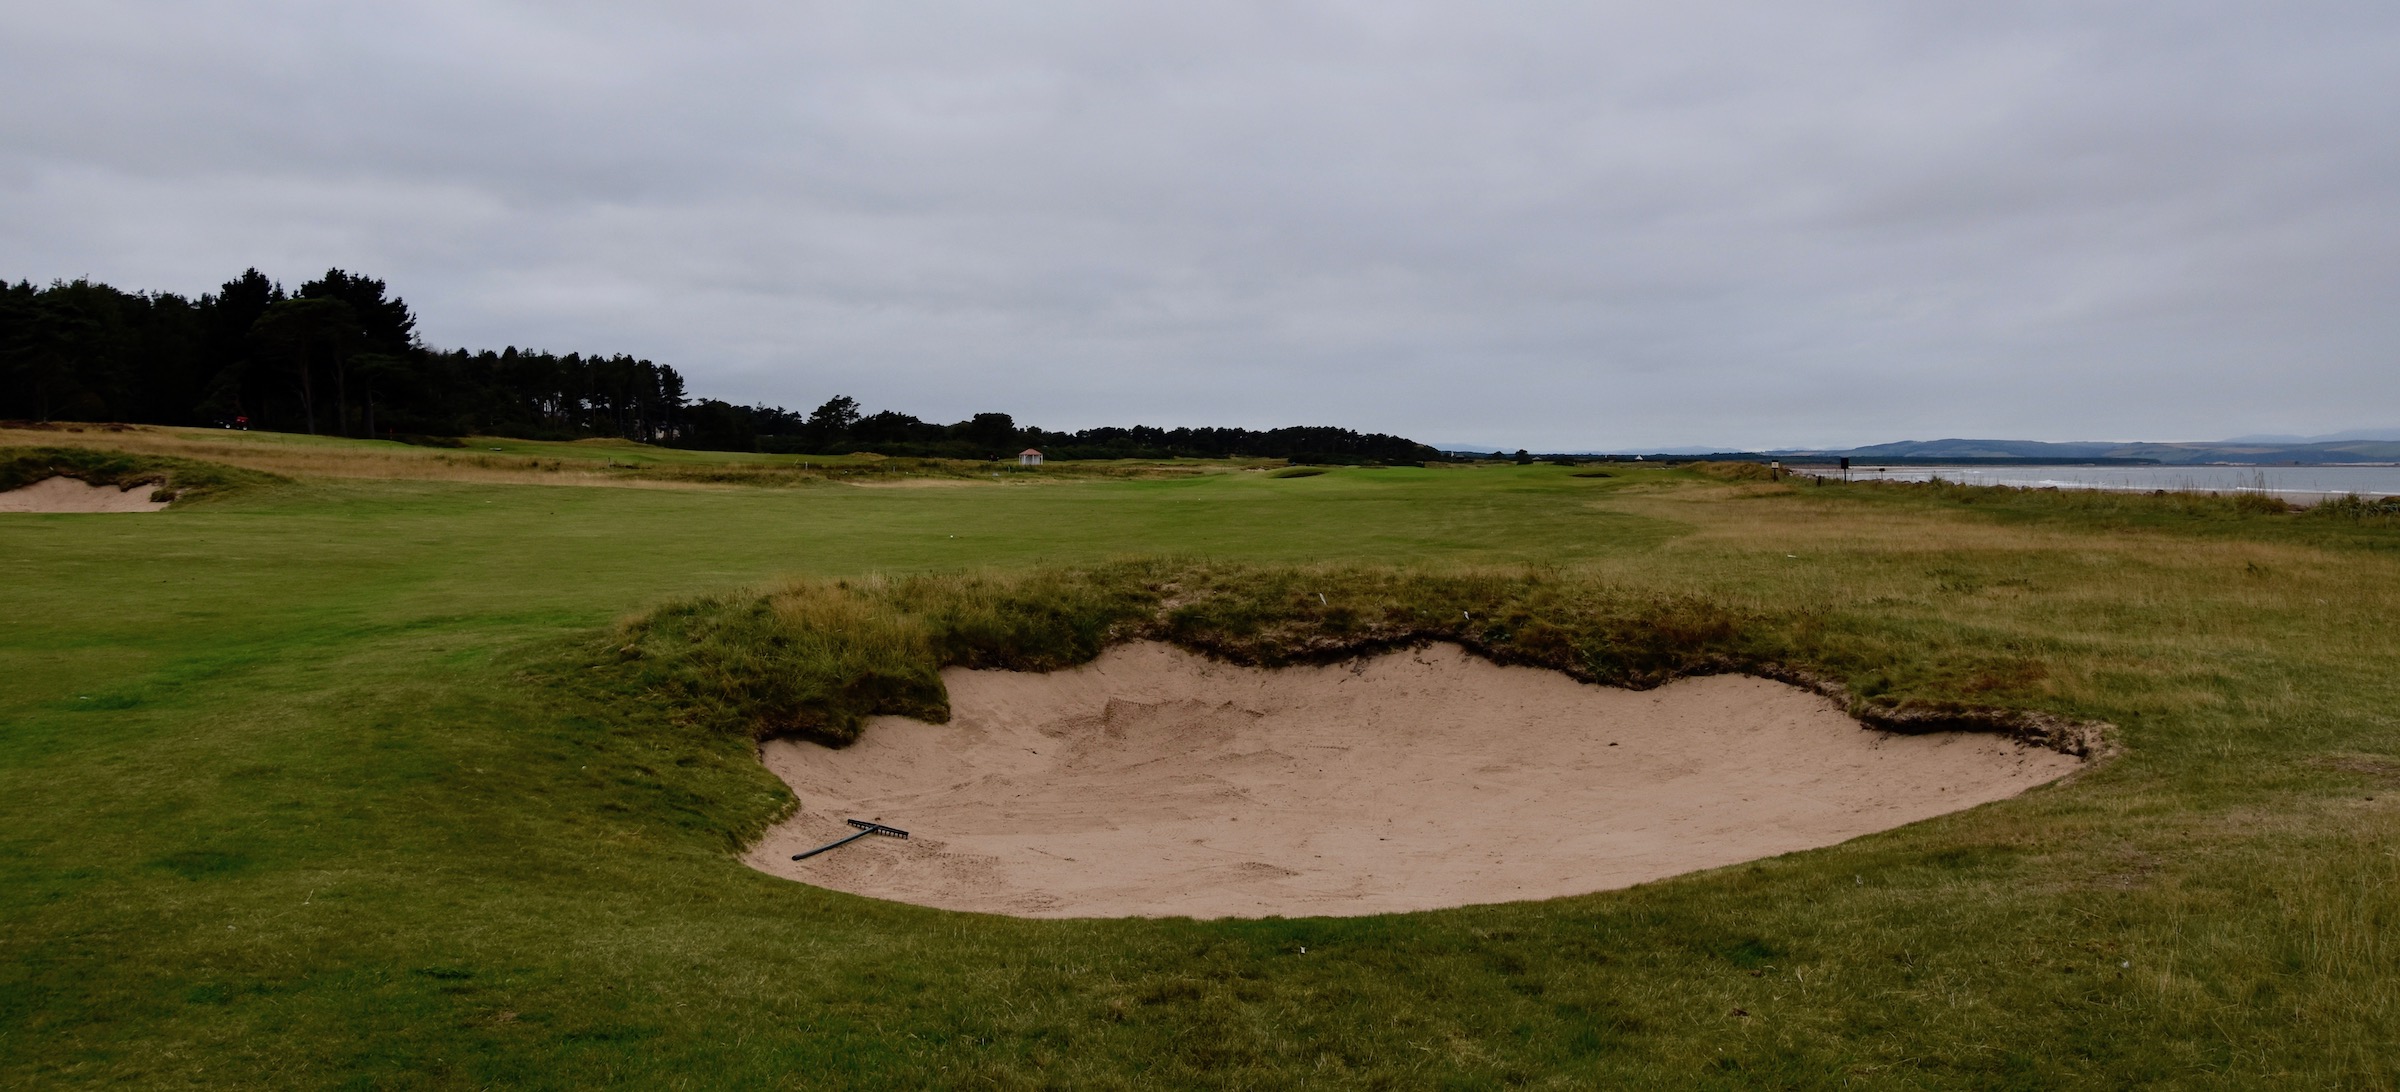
(1029,457)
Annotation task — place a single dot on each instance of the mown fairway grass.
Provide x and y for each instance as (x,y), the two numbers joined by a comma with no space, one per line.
(327,784)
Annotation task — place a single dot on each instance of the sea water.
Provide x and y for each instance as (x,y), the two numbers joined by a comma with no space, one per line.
(2300,484)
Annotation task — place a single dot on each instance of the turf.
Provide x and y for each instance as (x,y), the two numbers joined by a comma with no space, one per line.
(331,783)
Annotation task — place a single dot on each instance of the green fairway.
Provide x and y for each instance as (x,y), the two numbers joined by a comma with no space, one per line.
(326,783)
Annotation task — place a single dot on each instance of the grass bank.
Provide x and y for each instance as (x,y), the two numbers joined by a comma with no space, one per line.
(815,658)
(498,460)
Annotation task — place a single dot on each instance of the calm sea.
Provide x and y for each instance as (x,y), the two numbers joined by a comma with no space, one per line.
(2295,483)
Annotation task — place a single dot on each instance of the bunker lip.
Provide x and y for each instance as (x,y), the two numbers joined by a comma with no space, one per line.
(64,494)
(1157,782)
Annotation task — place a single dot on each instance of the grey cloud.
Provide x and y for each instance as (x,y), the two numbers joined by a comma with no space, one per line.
(1558,225)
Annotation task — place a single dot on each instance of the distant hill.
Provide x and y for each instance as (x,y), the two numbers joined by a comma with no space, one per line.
(2325,438)
(2225,451)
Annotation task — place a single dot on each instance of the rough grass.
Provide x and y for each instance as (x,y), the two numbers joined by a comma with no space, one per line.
(815,658)
(812,658)
(500,460)
(1727,471)
(178,480)
(2383,511)
(2119,502)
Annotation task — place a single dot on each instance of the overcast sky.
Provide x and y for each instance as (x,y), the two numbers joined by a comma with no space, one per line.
(1563,226)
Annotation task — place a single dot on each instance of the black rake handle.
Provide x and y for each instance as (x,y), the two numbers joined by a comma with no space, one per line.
(864,828)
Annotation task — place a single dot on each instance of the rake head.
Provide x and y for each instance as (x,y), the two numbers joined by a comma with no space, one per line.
(877,828)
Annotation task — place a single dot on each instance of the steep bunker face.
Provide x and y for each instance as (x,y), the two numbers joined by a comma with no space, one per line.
(1156,782)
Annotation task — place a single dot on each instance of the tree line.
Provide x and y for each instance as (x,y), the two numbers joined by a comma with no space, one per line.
(340,356)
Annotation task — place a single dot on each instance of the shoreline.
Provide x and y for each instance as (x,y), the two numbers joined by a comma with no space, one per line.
(2303,494)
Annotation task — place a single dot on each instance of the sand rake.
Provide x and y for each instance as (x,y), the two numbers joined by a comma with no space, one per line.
(864,828)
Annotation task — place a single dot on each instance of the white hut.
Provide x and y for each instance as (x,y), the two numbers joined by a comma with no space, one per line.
(1029,457)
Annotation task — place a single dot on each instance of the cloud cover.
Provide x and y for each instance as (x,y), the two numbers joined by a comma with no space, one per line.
(1551,225)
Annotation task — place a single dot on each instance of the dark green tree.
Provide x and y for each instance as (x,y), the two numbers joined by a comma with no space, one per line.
(311,336)
(829,426)
(992,434)
(48,348)
(345,344)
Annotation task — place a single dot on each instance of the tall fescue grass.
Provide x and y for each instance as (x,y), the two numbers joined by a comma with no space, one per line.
(320,457)
(2178,503)
(1728,471)
(815,658)
(586,462)
(2356,509)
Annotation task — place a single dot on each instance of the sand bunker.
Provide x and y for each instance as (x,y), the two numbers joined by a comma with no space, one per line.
(1155,782)
(70,495)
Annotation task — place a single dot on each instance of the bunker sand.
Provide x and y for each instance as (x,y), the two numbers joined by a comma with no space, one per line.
(1156,782)
(71,495)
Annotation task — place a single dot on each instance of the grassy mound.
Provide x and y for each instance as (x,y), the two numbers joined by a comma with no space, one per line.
(2174,503)
(179,480)
(1731,471)
(814,658)
(2384,511)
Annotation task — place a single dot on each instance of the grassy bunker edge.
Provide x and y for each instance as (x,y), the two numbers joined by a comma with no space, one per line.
(814,658)
(174,480)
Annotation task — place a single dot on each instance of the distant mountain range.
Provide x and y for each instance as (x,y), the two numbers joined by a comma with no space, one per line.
(2356,446)
(2327,438)
(2245,450)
